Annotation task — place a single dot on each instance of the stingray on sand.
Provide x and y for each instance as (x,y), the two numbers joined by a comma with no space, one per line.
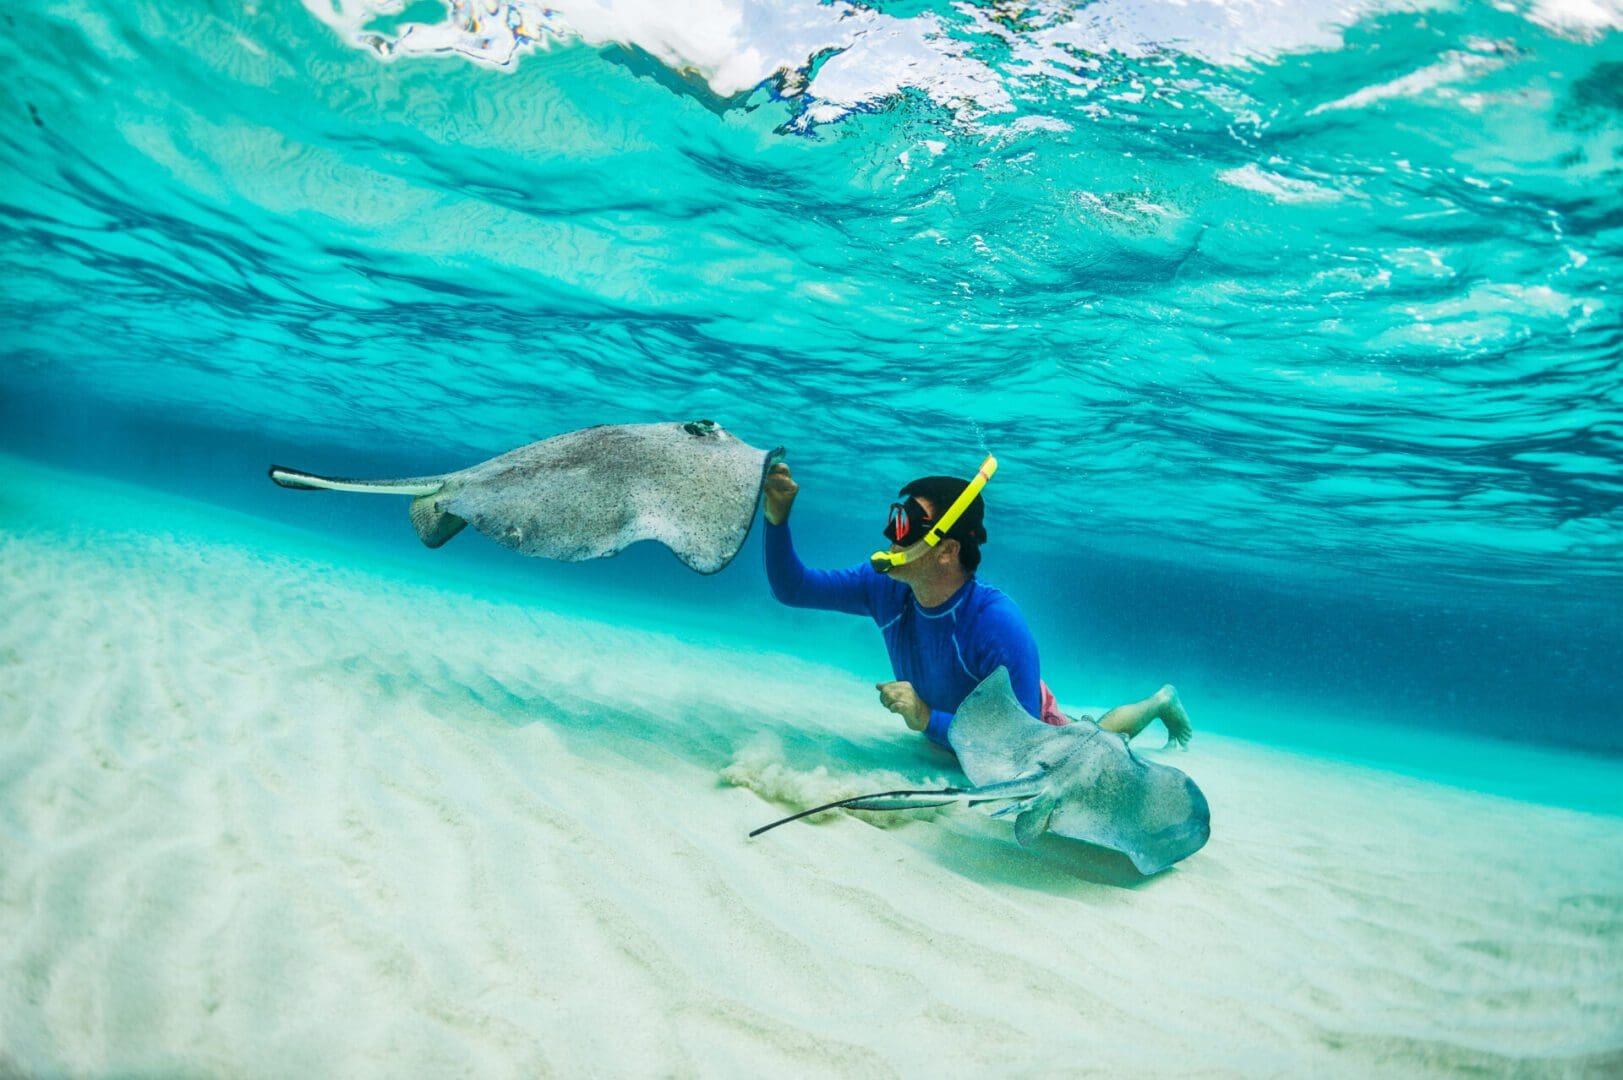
(1078,781)
(591,493)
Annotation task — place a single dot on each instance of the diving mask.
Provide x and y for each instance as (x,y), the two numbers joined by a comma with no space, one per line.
(908,520)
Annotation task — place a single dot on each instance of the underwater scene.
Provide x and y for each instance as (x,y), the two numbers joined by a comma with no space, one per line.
(1253,710)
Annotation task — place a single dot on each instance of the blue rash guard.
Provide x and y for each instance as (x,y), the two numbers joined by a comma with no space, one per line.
(943,651)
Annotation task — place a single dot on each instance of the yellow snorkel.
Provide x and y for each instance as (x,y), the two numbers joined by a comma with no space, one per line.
(886,561)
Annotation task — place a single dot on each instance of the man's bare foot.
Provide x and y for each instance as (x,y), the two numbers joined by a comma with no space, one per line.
(1172,714)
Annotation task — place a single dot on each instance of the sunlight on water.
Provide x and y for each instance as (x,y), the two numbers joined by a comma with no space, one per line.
(1315,286)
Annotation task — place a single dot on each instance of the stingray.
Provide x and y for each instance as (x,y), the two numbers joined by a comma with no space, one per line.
(589,494)
(1077,780)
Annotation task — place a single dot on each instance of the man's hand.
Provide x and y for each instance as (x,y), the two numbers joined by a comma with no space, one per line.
(901,699)
(779,491)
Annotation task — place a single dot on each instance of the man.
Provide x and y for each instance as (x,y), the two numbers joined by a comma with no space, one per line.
(945,630)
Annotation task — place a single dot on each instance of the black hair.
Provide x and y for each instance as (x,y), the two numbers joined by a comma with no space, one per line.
(970,528)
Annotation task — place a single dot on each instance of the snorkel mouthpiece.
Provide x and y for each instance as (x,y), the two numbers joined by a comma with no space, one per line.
(886,561)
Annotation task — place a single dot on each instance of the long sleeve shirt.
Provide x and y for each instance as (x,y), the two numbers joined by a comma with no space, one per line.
(944,651)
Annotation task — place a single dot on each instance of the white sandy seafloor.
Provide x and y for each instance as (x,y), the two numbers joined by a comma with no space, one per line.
(266,812)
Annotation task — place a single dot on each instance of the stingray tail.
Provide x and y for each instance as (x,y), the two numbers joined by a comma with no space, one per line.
(1021,787)
(293,478)
(434,526)
(879,800)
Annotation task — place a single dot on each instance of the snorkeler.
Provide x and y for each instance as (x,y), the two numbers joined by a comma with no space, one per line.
(944,629)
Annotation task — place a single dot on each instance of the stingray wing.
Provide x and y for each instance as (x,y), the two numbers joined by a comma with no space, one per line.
(997,740)
(592,493)
(1154,814)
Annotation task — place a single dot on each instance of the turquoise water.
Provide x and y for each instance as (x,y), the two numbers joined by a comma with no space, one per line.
(1297,335)
(1295,327)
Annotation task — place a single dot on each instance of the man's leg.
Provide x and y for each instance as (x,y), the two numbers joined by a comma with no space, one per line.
(1163,705)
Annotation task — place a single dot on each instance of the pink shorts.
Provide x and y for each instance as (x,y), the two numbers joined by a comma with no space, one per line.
(1051,713)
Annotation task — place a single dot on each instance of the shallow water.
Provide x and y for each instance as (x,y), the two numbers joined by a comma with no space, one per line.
(1295,328)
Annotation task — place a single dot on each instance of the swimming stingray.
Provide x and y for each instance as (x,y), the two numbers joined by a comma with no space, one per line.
(588,494)
(1078,781)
